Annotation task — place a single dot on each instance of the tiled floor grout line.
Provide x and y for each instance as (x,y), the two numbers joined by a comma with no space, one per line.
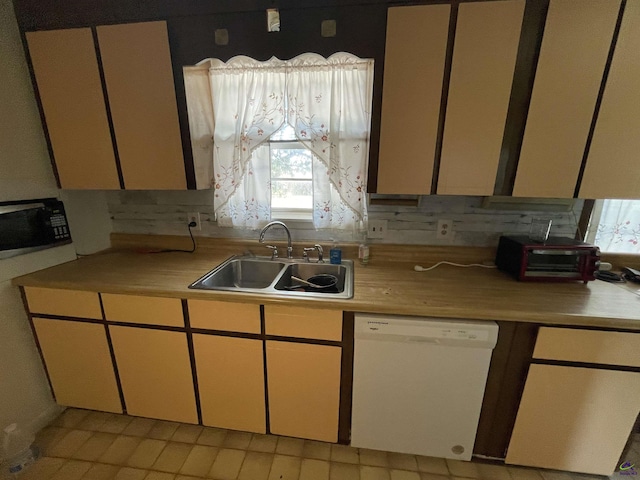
(96,423)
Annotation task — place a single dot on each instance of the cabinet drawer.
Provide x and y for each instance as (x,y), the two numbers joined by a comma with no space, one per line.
(144,310)
(227,316)
(303,322)
(589,346)
(66,303)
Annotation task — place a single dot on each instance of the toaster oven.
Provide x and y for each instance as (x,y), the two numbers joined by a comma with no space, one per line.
(558,259)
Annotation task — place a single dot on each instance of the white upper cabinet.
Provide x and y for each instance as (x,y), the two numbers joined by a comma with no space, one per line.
(484,58)
(576,42)
(414,61)
(613,163)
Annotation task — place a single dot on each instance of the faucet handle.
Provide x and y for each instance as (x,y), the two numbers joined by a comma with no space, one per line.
(318,247)
(305,253)
(274,251)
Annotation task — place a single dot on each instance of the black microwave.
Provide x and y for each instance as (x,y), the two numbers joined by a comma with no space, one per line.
(26,226)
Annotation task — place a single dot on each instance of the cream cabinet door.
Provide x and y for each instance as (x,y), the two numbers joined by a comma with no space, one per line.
(155,373)
(573,418)
(68,80)
(415,51)
(576,42)
(613,164)
(139,78)
(304,390)
(484,58)
(231,382)
(78,361)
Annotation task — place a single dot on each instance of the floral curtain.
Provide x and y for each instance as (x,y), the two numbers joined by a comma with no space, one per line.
(329,107)
(200,112)
(617,229)
(248,105)
(327,101)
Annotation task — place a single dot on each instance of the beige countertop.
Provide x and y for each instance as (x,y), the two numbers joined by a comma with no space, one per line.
(383,286)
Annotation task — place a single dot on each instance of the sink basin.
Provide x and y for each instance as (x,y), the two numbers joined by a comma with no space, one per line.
(273,277)
(241,273)
(308,270)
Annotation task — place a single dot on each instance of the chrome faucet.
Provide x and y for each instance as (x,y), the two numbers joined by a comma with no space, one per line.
(286,229)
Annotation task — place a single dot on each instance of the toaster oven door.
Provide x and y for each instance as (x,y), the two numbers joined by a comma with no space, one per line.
(558,263)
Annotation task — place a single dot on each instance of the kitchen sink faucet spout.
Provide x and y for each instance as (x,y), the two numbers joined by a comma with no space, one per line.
(286,229)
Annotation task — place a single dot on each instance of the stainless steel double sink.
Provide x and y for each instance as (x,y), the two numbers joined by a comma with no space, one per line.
(273,277)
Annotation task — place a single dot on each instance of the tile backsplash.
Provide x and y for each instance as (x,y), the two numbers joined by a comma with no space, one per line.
(165,213)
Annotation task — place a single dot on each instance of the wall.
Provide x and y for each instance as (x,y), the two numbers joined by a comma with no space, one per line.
(25,172)
(166,212)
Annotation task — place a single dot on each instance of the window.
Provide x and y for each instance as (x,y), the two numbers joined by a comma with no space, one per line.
(291,176)
(615,226)
(288,138)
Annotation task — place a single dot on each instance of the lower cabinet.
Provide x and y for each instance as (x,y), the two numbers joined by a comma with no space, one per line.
(78,361)
(231,382)
(575,419)
(155,373)
(577,415)
(304,389)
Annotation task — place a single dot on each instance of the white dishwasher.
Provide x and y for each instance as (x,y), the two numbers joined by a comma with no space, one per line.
(418,384)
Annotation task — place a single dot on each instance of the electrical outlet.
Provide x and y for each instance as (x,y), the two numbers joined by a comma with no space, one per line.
(444,231)
(194,217)
(377,228)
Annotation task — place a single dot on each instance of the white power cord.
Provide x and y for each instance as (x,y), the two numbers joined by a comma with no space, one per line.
(419,268)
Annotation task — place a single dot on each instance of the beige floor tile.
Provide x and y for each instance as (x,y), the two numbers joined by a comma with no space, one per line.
(554,475)
(374,458)
(71,417)
(312,469)
(160,476)
(43,469)
(285,467)
(139,427)
(317,450)
(162,430)
(227,464)
(187,433)
(147,452)
(524,473)
(374,473)
(493,472)
(187,477)
(94,421)
(404,475)
(344,454)
(255,466)
(95,447)
(401,461)
(101,471)
(47,437)
(263,443)
(115,423)
(120,450)
(172,457)
(290,446)
(69,444)
(212,437)
(199,461)
(432,465)
(344,471)
(72,470)
(432,476)
(240,440)
(128,473)
(459,468)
